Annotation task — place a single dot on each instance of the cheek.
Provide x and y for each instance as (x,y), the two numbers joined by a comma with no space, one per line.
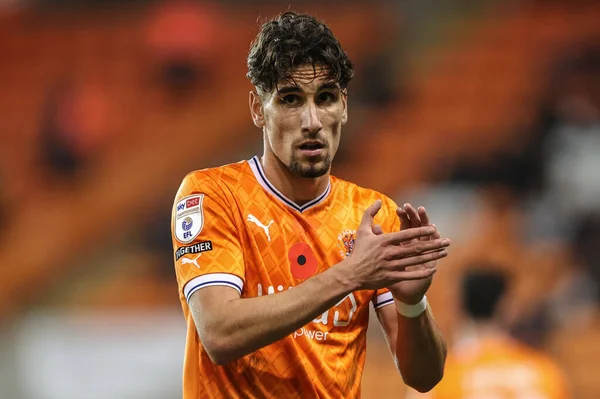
(334,117)
(335,143)
(336,134)
(280,132)
(334,123)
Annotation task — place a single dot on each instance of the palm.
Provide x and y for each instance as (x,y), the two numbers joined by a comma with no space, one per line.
(412,291)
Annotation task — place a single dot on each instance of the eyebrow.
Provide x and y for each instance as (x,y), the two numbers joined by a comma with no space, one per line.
(294,89)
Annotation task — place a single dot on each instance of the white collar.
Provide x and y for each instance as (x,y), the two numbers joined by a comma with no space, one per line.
(259,173)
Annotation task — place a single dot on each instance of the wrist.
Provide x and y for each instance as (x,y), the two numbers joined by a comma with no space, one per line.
(344,276)
(411,311)
(397,293)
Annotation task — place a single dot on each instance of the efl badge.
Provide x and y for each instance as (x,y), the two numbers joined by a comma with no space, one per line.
(189,218)
(346,242)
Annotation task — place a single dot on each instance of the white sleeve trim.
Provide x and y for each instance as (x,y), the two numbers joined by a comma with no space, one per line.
(383,300)
(211,280)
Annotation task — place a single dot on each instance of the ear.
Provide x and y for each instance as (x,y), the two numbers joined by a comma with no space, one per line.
(345,105)
(255,103)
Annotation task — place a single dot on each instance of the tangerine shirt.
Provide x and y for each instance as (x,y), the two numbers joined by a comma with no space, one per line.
(498,367)
(231,227)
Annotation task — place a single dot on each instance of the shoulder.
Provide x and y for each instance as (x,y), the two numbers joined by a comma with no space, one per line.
(552,377)
(542,361)
(533,358)
(362,196)
(211,181)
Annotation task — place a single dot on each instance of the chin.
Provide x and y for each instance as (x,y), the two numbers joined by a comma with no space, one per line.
(314,172)
(308,168)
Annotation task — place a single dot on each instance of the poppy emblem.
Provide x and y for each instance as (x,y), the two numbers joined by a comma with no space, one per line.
(303,263)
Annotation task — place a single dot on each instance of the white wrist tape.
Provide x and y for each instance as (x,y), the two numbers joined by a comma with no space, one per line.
(411,311)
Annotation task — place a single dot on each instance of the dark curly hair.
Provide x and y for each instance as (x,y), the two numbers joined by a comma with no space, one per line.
(291,40)
(482,290)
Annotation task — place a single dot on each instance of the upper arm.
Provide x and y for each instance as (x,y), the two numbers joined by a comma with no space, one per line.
(209,261)
(206,307)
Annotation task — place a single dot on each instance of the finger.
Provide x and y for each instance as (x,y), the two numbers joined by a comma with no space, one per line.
(435,235)
(377,230)
(428,265)
(415,220)
(423,215)
(414,275)
(422,260)
(402,236)
(418,247)
(404,220)
(369,215)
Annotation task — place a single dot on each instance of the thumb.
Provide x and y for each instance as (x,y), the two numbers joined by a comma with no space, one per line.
(369,215)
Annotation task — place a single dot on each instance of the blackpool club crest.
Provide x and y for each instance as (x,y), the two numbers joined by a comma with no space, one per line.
(346,241)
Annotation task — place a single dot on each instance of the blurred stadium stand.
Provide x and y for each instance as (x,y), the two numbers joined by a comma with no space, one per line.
(105,109)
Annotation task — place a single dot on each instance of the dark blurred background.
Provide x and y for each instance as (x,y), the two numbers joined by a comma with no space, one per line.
(486,112)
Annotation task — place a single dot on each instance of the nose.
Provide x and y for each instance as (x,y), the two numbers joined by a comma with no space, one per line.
(310,119)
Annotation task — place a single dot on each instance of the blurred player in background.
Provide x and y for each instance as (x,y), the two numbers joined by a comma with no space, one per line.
(277,261)
(486,363)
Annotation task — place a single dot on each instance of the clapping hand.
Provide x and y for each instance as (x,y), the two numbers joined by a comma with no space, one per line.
(412,291)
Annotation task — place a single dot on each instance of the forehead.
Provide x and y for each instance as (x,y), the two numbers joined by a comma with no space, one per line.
(307,78)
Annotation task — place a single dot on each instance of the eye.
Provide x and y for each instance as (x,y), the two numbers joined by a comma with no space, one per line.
(327,97)
(290,99)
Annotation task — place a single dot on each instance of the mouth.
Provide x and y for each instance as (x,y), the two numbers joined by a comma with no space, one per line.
(312,148)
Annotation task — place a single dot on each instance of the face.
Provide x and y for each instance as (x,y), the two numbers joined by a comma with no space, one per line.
(302,121)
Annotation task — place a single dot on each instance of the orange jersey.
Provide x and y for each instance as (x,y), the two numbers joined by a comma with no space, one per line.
(499,368)
(232,228)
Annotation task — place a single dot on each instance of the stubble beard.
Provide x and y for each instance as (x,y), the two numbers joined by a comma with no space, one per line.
(309,169)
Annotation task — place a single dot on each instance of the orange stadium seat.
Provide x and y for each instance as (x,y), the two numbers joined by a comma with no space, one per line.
(149,134)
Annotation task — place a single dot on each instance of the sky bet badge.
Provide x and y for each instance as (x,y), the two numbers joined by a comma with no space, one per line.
(189,218)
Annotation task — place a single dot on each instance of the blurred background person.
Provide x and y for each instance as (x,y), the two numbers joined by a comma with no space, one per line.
(485,362)
(180,36)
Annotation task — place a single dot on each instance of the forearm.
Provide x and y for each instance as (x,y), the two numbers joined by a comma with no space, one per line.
(420,351)
(241,326)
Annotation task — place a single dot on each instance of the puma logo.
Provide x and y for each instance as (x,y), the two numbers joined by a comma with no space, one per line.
(194,261)
(253,219)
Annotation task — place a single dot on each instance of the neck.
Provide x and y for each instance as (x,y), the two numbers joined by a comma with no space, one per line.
(298,189)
